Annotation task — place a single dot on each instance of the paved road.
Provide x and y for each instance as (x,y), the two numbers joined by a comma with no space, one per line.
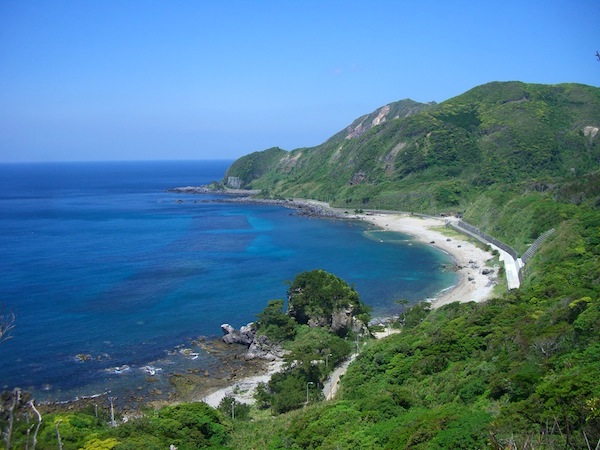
(511,268)
(511,265)
(331,385)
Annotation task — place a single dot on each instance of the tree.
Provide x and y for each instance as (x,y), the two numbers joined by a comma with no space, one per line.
(7,324)
(229,407)
(317,295)
(402,304)
(274,323)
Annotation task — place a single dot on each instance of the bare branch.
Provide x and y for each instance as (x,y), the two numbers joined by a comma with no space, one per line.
(37,428)
(7,323)
(16,398)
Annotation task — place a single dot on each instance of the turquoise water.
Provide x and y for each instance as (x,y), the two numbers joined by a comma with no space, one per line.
(97,258)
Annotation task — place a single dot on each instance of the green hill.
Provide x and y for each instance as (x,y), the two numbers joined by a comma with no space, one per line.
(495,133)
(475,154)
(519,371)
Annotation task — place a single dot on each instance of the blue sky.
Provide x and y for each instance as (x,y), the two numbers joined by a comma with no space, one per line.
(136,80)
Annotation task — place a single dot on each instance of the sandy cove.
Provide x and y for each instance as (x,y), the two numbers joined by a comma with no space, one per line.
(473,286)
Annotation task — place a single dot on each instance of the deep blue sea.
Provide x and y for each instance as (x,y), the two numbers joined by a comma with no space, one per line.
(99,259)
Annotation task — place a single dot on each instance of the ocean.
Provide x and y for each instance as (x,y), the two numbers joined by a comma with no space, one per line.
(98,259)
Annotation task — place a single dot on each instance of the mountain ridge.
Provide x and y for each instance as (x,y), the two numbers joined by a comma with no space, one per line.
(511,128)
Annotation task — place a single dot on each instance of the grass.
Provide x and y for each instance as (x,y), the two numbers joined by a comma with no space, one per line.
(452,233)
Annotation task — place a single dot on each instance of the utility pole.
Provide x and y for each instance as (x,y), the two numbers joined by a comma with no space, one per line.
(232,408)
(307,384)
(112,411)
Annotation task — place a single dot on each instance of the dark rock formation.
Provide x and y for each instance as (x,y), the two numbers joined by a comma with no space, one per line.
(259,346)
(320,299)
(244,336)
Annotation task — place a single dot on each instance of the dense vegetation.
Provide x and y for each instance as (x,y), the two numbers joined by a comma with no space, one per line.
(317,296)
(186,426)
(497,140)
(314,298)
(519,371)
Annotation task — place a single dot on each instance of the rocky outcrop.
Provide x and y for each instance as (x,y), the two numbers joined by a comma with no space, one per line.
(244,336)
(342,319)
(259,346)
(320,299)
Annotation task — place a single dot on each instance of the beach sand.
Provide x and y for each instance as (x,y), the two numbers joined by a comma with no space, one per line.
(243,389)
(470,260)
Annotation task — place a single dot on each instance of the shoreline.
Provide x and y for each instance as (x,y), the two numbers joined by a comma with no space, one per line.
(470,260)
(167,386)
(240,383)
(243,389)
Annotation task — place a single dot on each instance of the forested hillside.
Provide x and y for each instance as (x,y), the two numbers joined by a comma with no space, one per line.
(520,371)
(477,151)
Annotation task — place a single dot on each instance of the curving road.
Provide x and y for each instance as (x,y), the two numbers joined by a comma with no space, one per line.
(331,386)
(511,265)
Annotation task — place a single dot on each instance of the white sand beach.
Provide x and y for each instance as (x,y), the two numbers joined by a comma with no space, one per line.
(243,390)
(473,285)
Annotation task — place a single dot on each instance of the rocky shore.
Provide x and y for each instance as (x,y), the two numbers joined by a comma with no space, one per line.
(258,346)
(175,385)
(309,208)
(211,189)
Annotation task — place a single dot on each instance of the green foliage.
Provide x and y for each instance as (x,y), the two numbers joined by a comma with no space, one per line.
(436,158)
(317,294)
(98,444)
(77,430)
(312,355)
(318,346)
(413,316)
(187,426)
(254,165)
(241,411)
(275,324)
